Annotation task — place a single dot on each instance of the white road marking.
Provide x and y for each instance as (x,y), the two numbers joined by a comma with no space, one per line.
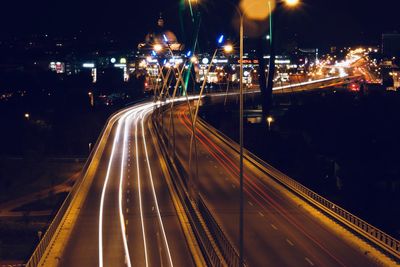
(140,194)
(121,182)
(154,190)
(273,226)
(289,242)
(119,118)
(309,261)
(250,203)
(261,214)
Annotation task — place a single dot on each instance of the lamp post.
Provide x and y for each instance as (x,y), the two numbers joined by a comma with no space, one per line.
(269,120)
(271,66)
(228,49)
(241,112)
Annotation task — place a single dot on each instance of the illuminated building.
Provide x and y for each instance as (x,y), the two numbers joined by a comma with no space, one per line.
(160,37)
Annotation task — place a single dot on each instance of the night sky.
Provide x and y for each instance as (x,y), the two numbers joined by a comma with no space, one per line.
(316,23)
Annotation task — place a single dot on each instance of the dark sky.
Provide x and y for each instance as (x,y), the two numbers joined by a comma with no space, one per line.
(316,23)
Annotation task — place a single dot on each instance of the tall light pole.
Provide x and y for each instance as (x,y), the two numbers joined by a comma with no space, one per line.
(271,66)
(241,113)
(227,49)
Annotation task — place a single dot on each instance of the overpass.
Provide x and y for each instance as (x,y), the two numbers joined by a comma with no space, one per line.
(137,203)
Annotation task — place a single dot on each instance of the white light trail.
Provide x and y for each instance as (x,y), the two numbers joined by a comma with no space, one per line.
(103,193)
(121,181)
(124,118)
(143,115)
(310,82)
(140,193)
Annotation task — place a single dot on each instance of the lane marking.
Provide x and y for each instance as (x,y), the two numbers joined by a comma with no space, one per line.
(140,194)
(289,242)
(250,203)
(261,214)
(123,115)
(273,226)
(120,193)
(309,261)
(153,188)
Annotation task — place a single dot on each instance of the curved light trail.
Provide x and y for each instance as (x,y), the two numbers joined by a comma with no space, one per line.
(143,115)
(140,193)
(121,182)
(124,120)
(103,194)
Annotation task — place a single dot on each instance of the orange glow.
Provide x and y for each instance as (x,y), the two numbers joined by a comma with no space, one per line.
(292,3)
(157,47)
(257,9)
(228,48)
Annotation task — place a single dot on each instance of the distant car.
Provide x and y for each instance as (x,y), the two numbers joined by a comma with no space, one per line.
(354,87)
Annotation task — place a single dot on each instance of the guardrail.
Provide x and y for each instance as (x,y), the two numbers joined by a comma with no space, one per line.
(58,219)
(229,252)
(205,227)
(375,236)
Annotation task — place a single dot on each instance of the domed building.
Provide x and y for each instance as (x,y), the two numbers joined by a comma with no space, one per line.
(161,37)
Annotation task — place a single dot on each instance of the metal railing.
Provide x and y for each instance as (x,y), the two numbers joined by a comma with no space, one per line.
(228,251)
(203,222)
(201,218)
(371,233)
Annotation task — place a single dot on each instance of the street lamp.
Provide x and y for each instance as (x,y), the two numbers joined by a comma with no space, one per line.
(241,114)
(269,120)
(27,116)
(194,59)
(271,66)
(228,48)
(157,47)
(292,3)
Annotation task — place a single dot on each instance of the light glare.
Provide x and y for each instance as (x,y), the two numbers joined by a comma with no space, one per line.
(292,3)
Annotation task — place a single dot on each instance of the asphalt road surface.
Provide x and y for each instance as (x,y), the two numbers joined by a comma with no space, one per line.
(277,231)
(128,218)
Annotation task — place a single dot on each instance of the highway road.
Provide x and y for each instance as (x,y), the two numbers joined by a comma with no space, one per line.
(128,217)
(277,231)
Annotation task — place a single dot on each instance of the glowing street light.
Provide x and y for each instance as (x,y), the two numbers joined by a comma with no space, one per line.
(91,99)
(270,120)
(221,39)
(27,116)
(228,48)
(157,47)
(292,3)
(194,59)
(165,38)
